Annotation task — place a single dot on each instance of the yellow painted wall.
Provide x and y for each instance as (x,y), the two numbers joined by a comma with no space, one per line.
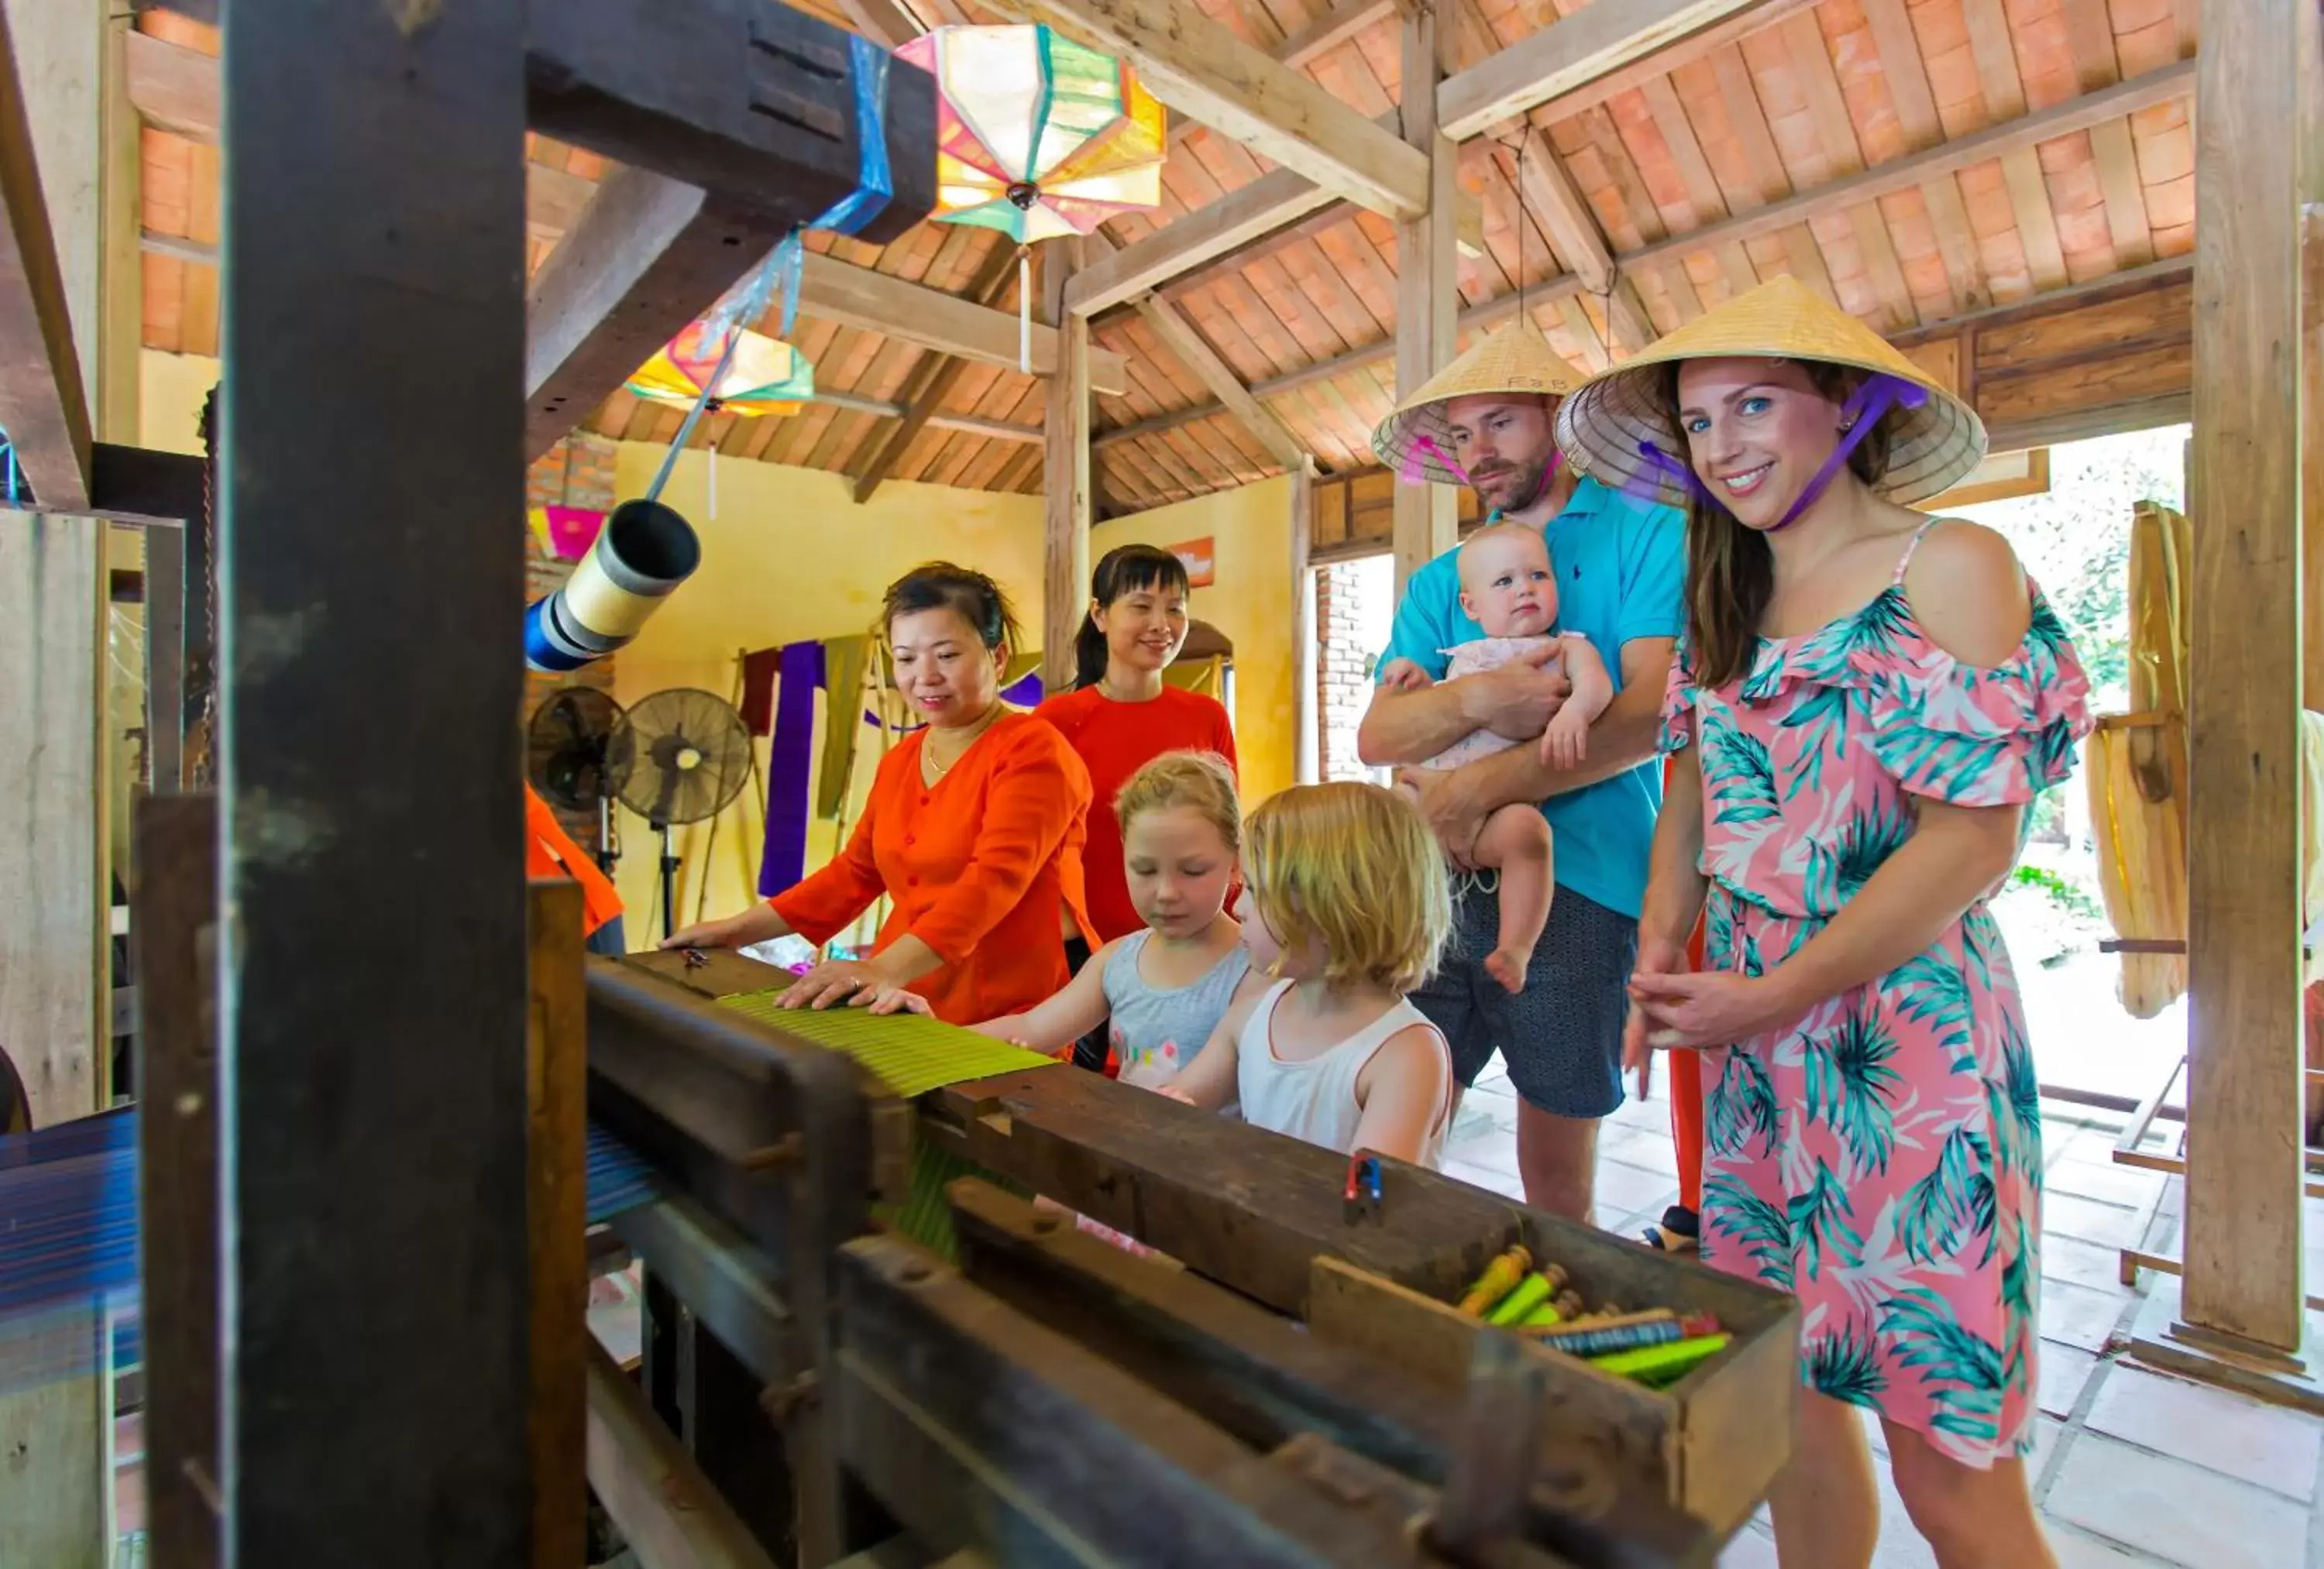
(1251,602)
(170,392)
(789,556)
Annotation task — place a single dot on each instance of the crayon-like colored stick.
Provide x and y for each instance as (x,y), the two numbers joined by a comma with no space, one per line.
(1662,1364)
(1541,1317)
(1500,1279)
(1531,1293)
(1560,1331)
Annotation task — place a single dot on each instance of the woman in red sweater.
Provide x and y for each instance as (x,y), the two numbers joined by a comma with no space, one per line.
(973,830)
(1121,716)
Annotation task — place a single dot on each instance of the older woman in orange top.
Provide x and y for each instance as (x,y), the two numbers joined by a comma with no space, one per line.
(973,830)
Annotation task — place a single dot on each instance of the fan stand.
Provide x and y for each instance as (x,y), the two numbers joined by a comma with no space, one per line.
(685,761)
(670,864)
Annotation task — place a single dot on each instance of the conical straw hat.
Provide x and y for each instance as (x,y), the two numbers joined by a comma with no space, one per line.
(1600,426)
(1513,359)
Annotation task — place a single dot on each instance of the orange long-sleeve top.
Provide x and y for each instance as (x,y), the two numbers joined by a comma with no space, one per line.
(549,852)
(983,866)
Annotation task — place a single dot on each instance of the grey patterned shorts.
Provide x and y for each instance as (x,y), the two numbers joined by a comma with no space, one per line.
(1561,1036)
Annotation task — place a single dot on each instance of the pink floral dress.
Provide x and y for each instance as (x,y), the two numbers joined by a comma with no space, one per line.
(1881,1159)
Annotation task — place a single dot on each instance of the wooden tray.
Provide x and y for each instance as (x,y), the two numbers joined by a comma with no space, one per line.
(1712,1442)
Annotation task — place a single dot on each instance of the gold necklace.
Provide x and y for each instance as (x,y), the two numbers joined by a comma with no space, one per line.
(930,761)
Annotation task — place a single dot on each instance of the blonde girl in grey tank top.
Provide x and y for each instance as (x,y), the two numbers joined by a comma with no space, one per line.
(1156,1032)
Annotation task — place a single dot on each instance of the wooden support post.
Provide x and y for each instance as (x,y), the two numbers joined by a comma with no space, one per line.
(377,1402)
(1065,474)
(2242,1300)
(121,312)
(557,1222)
(1305,721)
(55,1492)
(1427,518)
(175,929)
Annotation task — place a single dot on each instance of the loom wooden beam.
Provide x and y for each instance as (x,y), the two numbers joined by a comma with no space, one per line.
(1202,68)
(1427,300)
(2255,86)
(43,401)
(1065,461)
(176,89)
(647,256)
(654,1489)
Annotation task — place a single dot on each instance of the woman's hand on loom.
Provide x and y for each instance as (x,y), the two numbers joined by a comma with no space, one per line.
(847,982)
(897,1000)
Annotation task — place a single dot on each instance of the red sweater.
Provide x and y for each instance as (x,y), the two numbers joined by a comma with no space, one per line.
(1115,739)
(984,866)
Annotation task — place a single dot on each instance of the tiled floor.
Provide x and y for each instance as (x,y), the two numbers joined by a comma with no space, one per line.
(2133,1467)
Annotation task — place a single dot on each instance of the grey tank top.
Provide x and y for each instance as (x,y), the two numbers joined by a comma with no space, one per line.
(1156,1033)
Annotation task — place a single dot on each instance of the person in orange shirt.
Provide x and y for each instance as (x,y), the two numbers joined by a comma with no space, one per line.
(549,852)
(974,829)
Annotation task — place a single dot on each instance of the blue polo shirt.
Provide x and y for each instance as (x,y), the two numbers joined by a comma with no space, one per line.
(1621,575)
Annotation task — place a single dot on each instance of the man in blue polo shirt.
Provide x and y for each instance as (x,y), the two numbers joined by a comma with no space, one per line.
(1486,420)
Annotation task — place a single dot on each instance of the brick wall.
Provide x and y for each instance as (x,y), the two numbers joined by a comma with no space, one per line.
(1343,685)
(577,471)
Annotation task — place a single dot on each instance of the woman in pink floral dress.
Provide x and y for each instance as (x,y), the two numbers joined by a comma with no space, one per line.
(1863,703)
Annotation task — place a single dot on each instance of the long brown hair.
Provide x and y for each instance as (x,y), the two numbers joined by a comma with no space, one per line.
(1731,573)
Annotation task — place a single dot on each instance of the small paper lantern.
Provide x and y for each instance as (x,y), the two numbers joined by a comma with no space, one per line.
(1039,136)
(765,376)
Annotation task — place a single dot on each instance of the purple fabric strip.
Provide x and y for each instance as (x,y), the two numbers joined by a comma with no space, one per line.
(790,767)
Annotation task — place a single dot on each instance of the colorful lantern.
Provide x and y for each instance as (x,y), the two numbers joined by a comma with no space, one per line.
(1038,135)
(762,377)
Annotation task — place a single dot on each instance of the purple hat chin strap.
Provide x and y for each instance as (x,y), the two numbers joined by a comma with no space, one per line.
(1864,409)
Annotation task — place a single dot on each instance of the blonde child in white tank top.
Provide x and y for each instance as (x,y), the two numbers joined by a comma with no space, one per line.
(1347,908)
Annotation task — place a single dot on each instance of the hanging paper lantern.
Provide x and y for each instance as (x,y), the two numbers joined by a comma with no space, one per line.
(764,376)
(1039,136)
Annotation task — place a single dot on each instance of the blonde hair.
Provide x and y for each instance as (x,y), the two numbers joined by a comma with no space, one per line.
(1354,868)
(1198,781)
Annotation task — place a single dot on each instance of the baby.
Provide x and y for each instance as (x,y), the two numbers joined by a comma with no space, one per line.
(1509,588)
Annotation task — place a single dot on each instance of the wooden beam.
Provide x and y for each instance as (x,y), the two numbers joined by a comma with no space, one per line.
(1427,519)
(652,1488)
(43,396)
(2144,92)
(856,296)
(931,384)
(1200,68)
(1333,29)
(176,89)
(886,22)
(174,927)
(2243,1282)
(1184,340)
(557,1168)
(647,256)
(2311,443)
(1903,66)
(1213,233)
(1573,235)
(120,270)
(1575,50)
(1066,531)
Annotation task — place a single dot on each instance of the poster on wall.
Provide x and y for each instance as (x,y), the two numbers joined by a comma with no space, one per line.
(1200,560)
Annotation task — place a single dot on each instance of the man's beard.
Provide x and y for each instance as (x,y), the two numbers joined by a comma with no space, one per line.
(1516,484)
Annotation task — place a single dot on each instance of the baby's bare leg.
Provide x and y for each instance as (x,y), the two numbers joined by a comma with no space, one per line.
(1516,839)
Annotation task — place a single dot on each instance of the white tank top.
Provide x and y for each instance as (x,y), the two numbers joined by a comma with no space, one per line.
(1316,1100)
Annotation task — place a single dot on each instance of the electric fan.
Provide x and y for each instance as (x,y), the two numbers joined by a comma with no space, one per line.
(677,756)
(565,756)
